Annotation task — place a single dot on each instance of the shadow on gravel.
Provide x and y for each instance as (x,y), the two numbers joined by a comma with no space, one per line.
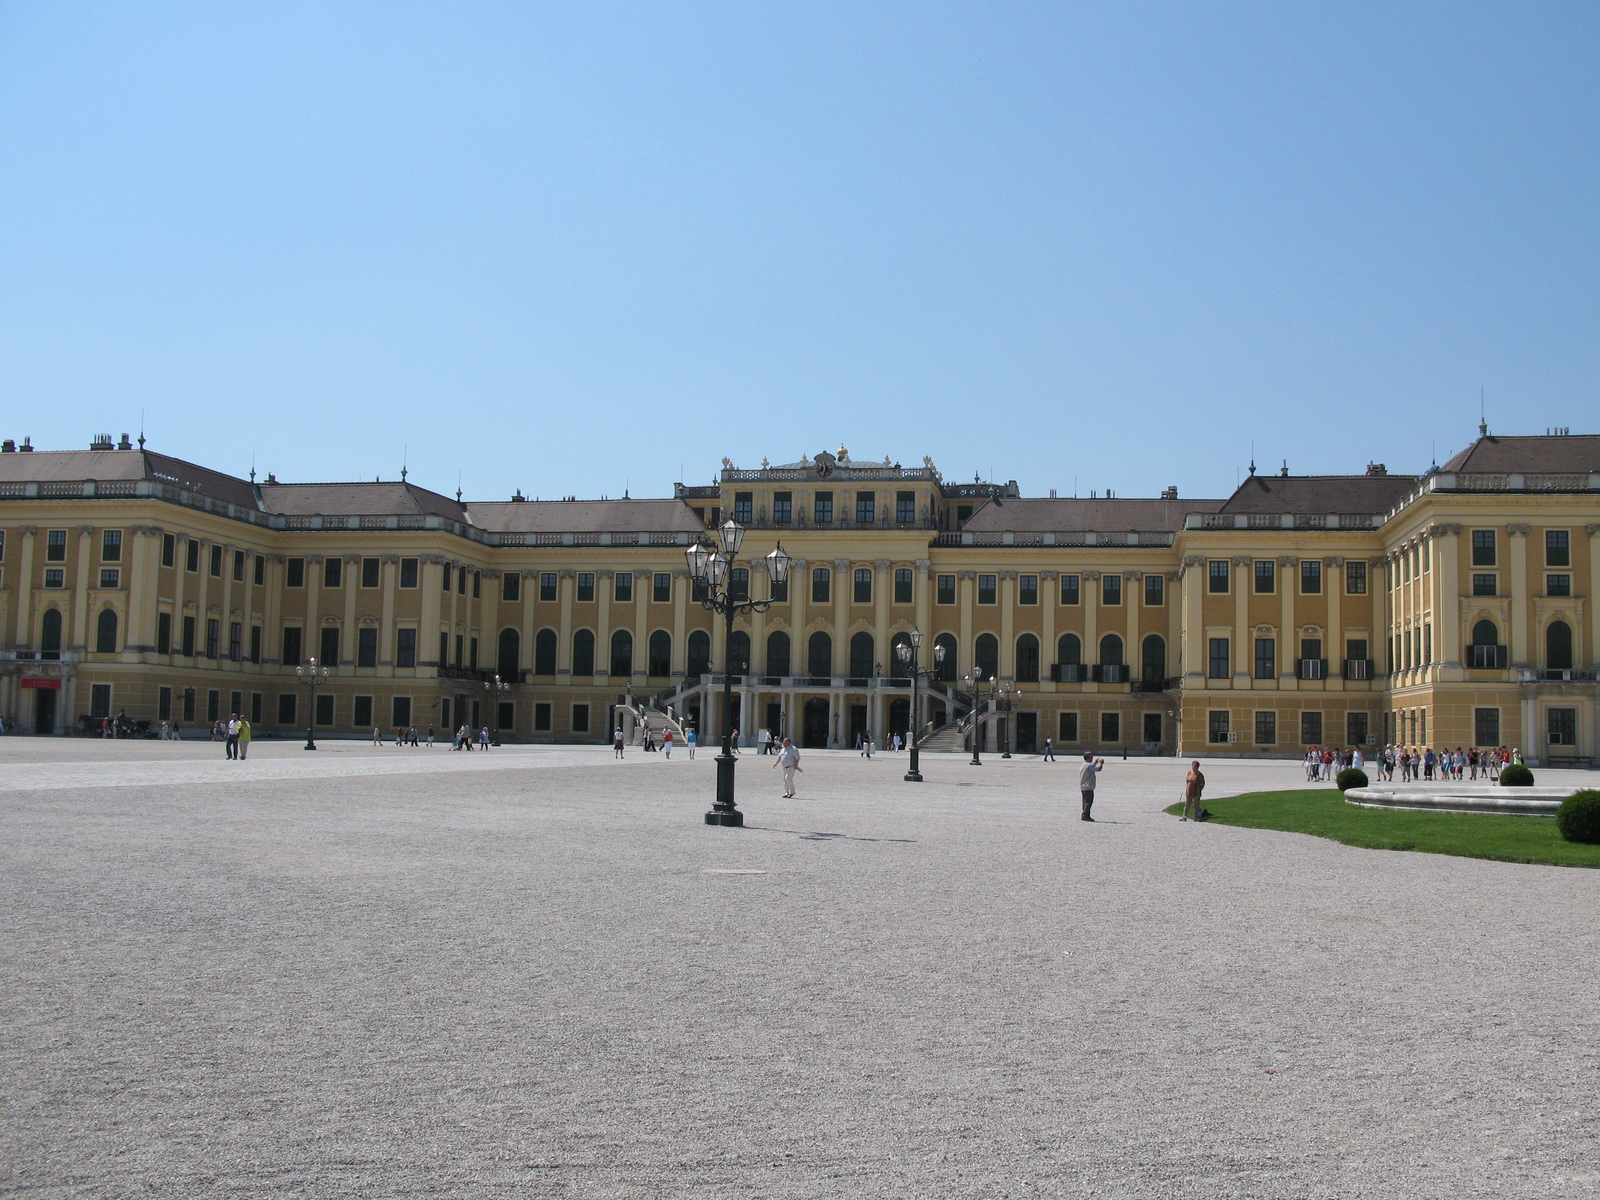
(823,837)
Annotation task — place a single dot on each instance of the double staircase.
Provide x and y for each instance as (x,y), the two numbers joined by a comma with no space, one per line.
(951,737)
(657,714)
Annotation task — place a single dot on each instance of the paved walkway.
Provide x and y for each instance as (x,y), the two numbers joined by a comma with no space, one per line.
(547,979)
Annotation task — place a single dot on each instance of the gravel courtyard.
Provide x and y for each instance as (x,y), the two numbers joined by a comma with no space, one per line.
(535,973)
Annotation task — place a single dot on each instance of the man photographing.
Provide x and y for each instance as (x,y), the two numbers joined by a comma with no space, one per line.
(1092,766)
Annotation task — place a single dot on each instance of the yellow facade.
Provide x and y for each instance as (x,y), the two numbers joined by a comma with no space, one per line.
(1300,610)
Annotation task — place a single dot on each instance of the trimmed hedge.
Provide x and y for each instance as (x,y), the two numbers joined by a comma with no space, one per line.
(1351,777)
(1516,775)
(1578,818)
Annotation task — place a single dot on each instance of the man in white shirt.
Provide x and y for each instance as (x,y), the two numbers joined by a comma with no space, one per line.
(1086,780)
(789,760)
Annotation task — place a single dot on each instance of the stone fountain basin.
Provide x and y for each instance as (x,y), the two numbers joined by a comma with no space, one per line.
(1463,798)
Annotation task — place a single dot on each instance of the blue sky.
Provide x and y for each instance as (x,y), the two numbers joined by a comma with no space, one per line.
(579,248)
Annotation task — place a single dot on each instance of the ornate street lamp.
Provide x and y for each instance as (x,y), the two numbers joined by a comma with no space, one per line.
(999,696)
(906,651)
(313,677)
(496,689)
(712,568)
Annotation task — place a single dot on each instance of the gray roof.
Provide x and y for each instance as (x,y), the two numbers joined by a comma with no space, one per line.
(109,466)
(584,516)
(1074,515)
(1319,493)
(1562,454)
(358,499)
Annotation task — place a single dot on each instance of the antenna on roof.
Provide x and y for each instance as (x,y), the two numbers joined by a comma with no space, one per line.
(141,428)
(1483,417)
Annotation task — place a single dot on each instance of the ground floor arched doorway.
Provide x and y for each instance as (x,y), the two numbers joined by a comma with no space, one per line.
(899,717)
(814,728)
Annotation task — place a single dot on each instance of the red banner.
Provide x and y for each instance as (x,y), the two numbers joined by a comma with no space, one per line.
(49,685)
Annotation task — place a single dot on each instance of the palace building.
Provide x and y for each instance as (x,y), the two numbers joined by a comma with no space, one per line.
(1451,608)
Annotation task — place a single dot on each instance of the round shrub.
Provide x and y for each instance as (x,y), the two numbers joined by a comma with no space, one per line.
(1351,777)
(1578,818)
(1516,775)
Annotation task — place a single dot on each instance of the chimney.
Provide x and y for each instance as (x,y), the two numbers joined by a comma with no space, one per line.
(8,446)
(124,444)
(1284,470)
(518,497)
(1374,468)
(1171,493)
(26,447)
(102,441)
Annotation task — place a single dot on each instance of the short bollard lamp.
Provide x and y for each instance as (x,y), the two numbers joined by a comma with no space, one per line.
(313,677)
(711,569)
(907,652)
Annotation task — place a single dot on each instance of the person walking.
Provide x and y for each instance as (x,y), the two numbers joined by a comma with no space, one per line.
(1086,780)
(616,742)
(867,745)
(1049,750)
(244,739)
(483,738)
(232,739)
(666,743)
(691,740)
(789,759)
(430,737)
(1193,784)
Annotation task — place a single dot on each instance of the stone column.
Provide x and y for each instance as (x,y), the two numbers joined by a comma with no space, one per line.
(680,612)
(882,582)
(1333,581)
(602,628)
(313,633)
(430,579)
(1090,594)
(842,585)
(1132,582)
(26,580)
(922,594)
(1594,604)
(641,630)
(1008,632)
(1239,581)
(202,603)
(1194,631)
(566,585)
(1289,643)
(1517,537)
(1049,601)
(80,590)
(966,651)
(143,582)
(388,567)
(1447,595)
(272,635)
(348,634)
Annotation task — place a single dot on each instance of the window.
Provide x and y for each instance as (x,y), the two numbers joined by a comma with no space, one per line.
(100,700)
(820,580)
(1219,661)
(622,587)
(1355,578)
(778,653)
(400,711)
(1217,576)
(1554,585)
(330,645)
(461,581)
(1266,729)
(461,642)
(580,718)
(660,660)
(371,576)
(191,557)
(1483,551)
(547,585)
(286,708)
(216,562)
(255,643)
(235,642)
(405,647)
(1356,728)
(55,577)
(332,571)
(238,566)
(862,662)
(583,652)
(294,572)
(1110,727)
(1111,589)
(782,507)
(863,585)
(111,577)
(866,508)
(585,586)
(361,712)
(1266,576)
(111,547)
(743,507)
(164,633)
(164,704)
(105,633)
(261,570)
(819,655)
(780,591)
(1067,726)
(169,549)
(905,507)
(739,583)
(1558,646)
(187,646)
(477,585)
(1310,729)
(1486,726)
(541,718)
(324,708)
(544,652)
(661,587)
(902,585)
(1311,665)
(822,508)
(1557,548)
(987,591)
(1217,725)
(508,660)
(945,591)
(1155,590)
(1070,591)
(1027,659)
(622,653)
(1027,589)
(445,577)
(409,572)
(55,546)
(292,635)
(1483,584)
(366,649)
(1069,653)
(1310,576)
(1266,658)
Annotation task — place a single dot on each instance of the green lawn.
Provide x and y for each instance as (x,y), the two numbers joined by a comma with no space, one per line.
(1324,813)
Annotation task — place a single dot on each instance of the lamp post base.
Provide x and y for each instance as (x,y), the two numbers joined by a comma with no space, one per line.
(724,811)
(914,775)
(731,817)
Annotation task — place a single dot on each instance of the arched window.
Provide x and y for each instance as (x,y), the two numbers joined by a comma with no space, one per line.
(739,653)
(947,667)
(1154,660)
(1484,633)
(819,655)
(778,653)
(105,633)
(510,658)
(544,652)
(622,653)
(897,667)
(583,652)
(1069,650)
(1027,659)
(699,652)
(50,634)
(986,655)
(861,663)
(1558,646)
(1111,651)
(660,654)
